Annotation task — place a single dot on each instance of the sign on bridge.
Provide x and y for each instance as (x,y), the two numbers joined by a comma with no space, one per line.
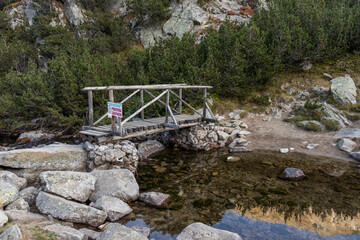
(115,109)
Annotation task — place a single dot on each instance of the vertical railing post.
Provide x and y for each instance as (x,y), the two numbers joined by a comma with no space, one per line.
(180,102)
(111,99)
(142,102)
(167,106)
(91,109)
(204,106)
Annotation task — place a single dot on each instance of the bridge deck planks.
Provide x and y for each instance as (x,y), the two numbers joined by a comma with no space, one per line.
(141,127)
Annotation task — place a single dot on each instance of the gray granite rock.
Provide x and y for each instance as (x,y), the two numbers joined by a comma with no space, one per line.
(24,216)
(292,174)
(12,178)
(119,183)
(19,204)
(352,133)
(114,207)
(70,185)
(344,90)
(92,235)
(8,193)
(155,199)
(118,231)
(65,232)
(197,231)
(69,211)
(347,145)
(29,195)
(150,147)
(3,219)
(355,155)
(145,231)
(12,233)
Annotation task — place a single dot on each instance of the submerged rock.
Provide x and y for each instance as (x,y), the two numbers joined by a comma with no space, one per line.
(344,90)
(119,183)
(114,207)
(70,185)
(65,232)
(197,231)
(233,159)
(145,231)
(12,233)
(146,149)
(156,199)
(292,174)
(70,211)
(347,145)
(118,231)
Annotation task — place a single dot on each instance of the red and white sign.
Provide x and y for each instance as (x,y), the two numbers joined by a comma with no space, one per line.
(115,109)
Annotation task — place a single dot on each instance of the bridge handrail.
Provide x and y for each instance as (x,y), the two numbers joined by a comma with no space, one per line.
(148,87)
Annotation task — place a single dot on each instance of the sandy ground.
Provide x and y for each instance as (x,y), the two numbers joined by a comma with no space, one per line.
(277,134)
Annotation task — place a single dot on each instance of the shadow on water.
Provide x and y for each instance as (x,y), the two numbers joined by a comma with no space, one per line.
(247,196)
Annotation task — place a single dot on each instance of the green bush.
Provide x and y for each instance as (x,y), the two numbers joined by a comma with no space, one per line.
(331,124)
(310,126)
(150,11)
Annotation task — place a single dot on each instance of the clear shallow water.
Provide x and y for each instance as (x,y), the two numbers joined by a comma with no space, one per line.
(247,196)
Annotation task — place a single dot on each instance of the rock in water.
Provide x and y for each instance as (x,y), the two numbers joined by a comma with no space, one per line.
(118,231)
(145,231)
(3,219)
(347,145)
(70,185)
(156,199)
(70,211)
(292,174)
(12,233)
(64,232)
(12,178)
(197,231)
(119,183)
(146,149)
(114,207)
(51,157)
(344,90)
(355,155)
(8,193)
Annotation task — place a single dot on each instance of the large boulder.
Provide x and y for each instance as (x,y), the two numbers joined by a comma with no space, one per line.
(119,183)
(118,6)
(65,232)
(355,155)
(155,199)
(74,13)
(12,233)
(114,207)
(333,113)
(343,90)
(8,193)
(3,219)
(150,147)
(150,35)
(70,185)
(51,157)
(12,178)
(92,235)
(347,145)
(69,211)
(118,231)
(197,231)
(352,133)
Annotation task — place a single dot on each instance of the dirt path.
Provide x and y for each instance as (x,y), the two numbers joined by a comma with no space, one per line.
(277,134)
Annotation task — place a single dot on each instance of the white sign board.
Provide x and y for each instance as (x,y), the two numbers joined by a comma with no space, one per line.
(115,110)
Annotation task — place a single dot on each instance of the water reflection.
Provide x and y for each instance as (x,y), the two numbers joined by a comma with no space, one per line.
(247,194)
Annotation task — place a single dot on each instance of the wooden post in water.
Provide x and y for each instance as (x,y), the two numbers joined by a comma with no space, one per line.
(111,99)
(91,109)
(142,102)
(180,102)
(204,106)
(167,106)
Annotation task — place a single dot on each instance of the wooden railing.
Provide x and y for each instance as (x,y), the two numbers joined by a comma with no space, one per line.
(169,111)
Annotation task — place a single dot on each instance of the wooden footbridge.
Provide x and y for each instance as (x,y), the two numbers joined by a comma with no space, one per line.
(130,127)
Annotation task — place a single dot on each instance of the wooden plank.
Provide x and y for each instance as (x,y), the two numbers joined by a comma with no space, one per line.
(135,87)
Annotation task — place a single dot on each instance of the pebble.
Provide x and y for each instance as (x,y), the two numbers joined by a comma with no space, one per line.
(312,146)
(284,150)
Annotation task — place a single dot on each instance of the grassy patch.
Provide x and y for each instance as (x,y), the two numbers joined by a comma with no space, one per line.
(310,126)
(331,124)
